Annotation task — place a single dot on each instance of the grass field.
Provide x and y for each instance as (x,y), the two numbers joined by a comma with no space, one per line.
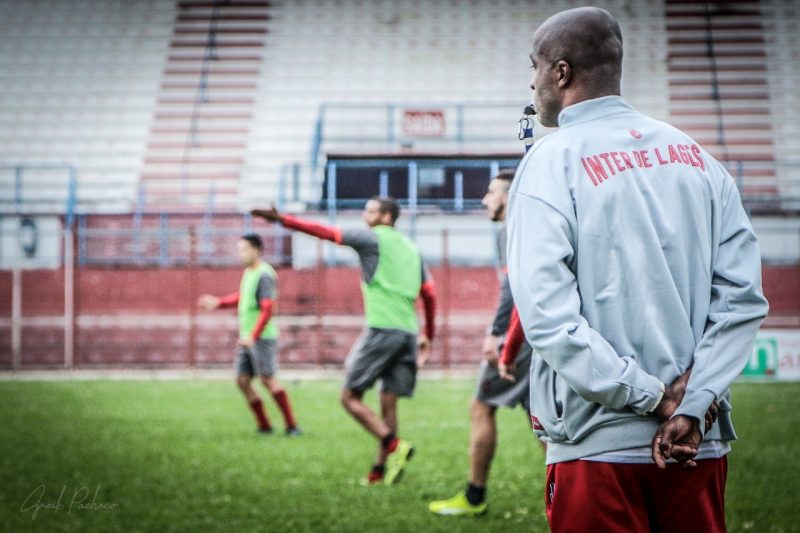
(184,456)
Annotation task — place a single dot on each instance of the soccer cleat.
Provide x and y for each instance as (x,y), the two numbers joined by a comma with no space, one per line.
(396,461)
(372,479)
(265,431)
(293,432)
(458,505)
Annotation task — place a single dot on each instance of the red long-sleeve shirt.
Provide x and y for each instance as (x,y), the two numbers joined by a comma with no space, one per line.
(266,304)
(514,339)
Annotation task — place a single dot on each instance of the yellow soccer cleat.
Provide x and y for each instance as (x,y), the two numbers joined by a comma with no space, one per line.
(458,505)
(396,461)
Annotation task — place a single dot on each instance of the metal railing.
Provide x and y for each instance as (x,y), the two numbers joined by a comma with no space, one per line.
(412,201)
(172,240)
(26,188)
(381,123)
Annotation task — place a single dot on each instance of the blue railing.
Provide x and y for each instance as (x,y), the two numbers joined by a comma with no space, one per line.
(459,130)
(40,188)
(171,239)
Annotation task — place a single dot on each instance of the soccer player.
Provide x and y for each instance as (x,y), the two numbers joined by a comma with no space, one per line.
(492,391)
(637,277)
(393,276)
(258,333)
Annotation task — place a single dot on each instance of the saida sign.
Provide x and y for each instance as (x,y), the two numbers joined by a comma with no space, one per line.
(775,355)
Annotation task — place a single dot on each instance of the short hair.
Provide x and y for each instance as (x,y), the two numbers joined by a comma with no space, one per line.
(254,240)
(387,204)
(589,39)
(506,175)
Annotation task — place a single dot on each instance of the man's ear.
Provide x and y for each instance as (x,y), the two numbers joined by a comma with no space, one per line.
(563,73)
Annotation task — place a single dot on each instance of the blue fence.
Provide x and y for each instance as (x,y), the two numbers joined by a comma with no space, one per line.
(172,240)
(39,188)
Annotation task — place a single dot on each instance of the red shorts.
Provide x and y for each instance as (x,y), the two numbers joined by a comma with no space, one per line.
(616,497)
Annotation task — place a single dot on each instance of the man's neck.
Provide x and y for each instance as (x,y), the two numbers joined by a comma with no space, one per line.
(576,97)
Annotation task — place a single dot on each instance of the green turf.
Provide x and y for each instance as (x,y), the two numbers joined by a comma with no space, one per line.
(184,456)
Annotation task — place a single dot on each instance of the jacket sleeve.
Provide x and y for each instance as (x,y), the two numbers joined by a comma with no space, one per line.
(545,292)
(736,309)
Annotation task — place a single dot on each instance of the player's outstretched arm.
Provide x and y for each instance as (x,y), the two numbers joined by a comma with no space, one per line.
(271,214)
(210,303)
(315,229)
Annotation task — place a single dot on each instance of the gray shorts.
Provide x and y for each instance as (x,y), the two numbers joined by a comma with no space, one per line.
(260,360)
(386,354)
(497,392)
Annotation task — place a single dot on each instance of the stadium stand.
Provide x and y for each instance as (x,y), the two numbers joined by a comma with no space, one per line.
(719,86)
(158,123)
(208,104)
(79,81)
(200,128)
(190,103)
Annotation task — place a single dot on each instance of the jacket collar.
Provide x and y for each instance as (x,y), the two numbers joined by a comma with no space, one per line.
(594,109)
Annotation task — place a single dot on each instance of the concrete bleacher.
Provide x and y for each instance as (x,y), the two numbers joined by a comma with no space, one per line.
(719,89)
(417,52)
(114,89)
(204,111)
(79,79)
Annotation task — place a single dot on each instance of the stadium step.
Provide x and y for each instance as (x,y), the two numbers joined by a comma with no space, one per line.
(711,97)
(207,90)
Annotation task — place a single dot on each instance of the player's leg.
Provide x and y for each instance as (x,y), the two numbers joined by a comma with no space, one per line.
(373,353)
(265,353)
(281,399)
(388,402)
(399,378)
(482,442)
(244,377)
(492,392)
(353,403)
(363,367)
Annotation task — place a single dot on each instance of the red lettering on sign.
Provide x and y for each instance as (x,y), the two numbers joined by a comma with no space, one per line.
(423,123)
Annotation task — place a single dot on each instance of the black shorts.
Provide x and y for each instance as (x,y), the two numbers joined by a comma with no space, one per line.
(386,354)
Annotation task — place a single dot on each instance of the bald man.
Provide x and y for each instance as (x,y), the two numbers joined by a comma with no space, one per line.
(637,278)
